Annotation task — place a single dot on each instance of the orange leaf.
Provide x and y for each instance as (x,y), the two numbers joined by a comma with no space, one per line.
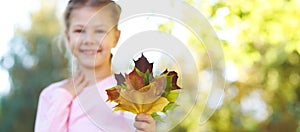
(113,94)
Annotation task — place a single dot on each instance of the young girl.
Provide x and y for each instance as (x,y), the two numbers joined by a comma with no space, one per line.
(78,103)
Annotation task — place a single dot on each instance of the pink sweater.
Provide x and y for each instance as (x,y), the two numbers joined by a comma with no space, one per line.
(58,111)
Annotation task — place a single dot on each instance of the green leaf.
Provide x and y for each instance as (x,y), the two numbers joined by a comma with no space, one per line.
(156,117)
(170,106)
(172,96)
(146,77)
(139,72)
(123,86)
(169,83)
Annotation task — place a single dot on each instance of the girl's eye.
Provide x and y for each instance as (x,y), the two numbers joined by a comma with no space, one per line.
(100,31)
(78,31)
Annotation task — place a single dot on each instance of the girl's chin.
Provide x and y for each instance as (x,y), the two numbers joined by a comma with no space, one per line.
(93,56)
(91,63)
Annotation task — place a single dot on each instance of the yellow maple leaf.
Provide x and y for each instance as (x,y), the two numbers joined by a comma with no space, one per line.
(156,106)
(144,100)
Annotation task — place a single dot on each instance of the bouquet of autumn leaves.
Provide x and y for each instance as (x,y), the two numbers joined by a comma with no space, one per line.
(141,92)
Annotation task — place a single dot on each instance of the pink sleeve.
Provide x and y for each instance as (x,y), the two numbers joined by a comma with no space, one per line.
(53,110)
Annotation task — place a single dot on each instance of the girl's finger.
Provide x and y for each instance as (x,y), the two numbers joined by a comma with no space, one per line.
(80,82)
(82,85)
(140,125)
(138,131)
(144,118)
(78,79)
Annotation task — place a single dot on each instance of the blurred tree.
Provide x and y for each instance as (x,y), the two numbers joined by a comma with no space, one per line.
(266,54)
(37,62)
(261,41)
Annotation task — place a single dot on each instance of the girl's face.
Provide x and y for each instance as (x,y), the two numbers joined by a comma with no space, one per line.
(91,37)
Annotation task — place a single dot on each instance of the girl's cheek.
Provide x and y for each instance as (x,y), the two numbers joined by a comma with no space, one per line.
(110,40)
(74,46)
(107,44)
(76,39)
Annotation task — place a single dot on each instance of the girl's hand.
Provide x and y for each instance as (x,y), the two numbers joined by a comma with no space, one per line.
(76,84)
(144,123)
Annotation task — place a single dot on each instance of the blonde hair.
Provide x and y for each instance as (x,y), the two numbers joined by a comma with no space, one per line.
(75,4)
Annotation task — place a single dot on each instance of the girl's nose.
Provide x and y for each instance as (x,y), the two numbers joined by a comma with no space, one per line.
(89,38)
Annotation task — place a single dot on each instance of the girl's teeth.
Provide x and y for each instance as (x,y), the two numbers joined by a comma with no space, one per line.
(89,52)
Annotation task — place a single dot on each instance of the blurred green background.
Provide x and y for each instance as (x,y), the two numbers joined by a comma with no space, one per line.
(261,44)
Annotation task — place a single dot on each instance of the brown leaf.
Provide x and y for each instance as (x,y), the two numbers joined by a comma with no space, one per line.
(120,79)
(143,64)
(134,80)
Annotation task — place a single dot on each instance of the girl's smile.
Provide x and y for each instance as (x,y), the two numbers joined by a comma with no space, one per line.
(89,52)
